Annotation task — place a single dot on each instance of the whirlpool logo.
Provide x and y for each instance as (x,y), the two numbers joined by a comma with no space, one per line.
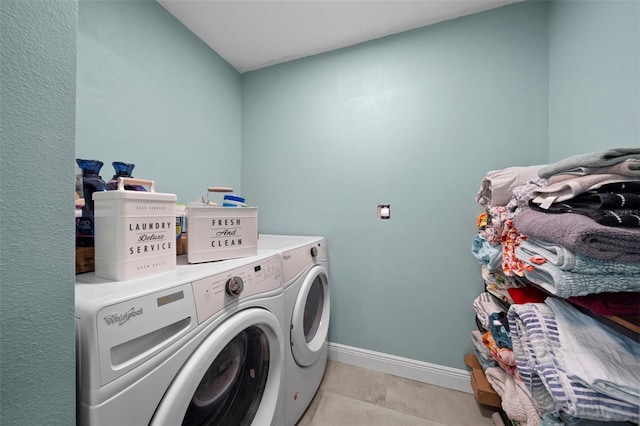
(120,319)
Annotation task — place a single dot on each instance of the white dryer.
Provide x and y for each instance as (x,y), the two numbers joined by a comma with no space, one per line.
(199,345)
(305,267)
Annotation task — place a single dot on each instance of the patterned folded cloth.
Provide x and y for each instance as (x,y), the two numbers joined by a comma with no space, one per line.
(499,326)
(498,280)
(522,195)
(511,240)
(481,220)
(484,305)
(625,218)
(571,188)
(494,228)
(605,200)
(531,333)
(500,294)
(485,358)
(575,163)
(601,358)
(616,204)
(503,356)
(537,344)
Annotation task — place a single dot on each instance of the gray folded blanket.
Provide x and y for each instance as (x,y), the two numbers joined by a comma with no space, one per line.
(593,159)
(630,168)
(581,234)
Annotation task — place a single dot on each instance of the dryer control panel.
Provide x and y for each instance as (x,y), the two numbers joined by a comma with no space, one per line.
(214,293)
(296,260)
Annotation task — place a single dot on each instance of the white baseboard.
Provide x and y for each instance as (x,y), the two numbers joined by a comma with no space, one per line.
(438,375)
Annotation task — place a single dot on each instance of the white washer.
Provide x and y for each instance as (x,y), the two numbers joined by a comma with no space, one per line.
(305,268)
(202,341)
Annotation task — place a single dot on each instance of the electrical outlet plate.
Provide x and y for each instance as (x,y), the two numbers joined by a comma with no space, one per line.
(384,211)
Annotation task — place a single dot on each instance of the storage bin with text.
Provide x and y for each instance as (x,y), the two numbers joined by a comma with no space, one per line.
(219,233)
(135,233)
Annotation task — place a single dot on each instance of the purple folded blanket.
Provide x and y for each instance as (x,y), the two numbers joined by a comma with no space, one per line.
(627,303)
(581,234)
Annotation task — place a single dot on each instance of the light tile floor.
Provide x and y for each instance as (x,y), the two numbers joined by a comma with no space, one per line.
(352,396)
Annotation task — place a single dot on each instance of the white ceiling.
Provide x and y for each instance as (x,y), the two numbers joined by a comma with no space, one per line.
(252,34)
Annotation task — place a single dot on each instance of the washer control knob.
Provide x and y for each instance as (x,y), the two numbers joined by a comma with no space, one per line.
(234,286)
(314,251)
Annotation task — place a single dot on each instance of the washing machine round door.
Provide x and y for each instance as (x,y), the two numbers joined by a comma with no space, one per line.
(233,377)
(310,320)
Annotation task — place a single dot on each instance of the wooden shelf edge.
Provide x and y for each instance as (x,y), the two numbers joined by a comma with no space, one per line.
(630,323)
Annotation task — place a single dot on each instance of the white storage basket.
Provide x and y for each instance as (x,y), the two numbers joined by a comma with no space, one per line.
(219,233)
(135,231)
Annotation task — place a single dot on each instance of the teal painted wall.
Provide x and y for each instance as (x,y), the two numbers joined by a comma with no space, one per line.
(37,118)
(413,120)
(594,76)
(151,93)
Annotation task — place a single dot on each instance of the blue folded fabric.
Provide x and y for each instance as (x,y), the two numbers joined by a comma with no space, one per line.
(487,254)
(500,333)
(567,284)
(567,260)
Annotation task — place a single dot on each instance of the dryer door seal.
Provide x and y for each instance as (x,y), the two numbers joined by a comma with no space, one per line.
(310,319)
(223,344)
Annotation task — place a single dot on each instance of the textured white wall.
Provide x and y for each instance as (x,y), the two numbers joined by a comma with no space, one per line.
(37,120)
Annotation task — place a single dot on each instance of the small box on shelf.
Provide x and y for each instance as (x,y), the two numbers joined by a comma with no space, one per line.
(482,389)
(84,260)
(181,245)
